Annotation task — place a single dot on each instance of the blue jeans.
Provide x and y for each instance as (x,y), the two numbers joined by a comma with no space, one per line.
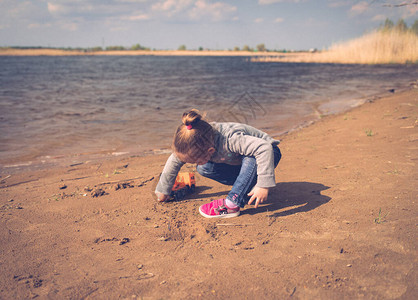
(242,177)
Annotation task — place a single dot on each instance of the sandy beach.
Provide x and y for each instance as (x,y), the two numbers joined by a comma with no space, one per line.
(340,224)
(352,53)
(297,56)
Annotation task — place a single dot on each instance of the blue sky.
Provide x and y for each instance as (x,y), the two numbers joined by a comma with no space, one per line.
(214,24)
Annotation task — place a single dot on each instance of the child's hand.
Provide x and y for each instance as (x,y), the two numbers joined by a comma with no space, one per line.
(161,197)
(259,195)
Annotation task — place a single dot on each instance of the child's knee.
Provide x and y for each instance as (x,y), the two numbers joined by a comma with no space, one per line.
(205,170)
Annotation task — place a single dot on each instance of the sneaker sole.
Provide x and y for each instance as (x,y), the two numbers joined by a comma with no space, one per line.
(231,215)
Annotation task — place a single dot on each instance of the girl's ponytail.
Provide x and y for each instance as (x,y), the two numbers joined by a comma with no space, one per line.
(191,117)
(194,135)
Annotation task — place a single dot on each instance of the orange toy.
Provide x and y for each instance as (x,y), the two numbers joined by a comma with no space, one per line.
(185,184)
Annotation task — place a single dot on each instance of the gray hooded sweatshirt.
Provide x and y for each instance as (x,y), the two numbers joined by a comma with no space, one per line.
(232,141)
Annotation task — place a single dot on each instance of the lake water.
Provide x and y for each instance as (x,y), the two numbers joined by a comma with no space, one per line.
(73,109)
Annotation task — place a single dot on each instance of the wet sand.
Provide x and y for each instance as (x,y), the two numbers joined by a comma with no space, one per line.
(341,222)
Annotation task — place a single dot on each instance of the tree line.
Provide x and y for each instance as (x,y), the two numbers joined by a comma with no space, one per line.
(388,25)
(258,48)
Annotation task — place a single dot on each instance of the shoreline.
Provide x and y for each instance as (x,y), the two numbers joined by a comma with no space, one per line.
(341,222)
(59,52)
(319,57)
(46,161)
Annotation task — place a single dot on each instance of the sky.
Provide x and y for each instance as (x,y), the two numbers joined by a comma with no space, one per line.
(211,24)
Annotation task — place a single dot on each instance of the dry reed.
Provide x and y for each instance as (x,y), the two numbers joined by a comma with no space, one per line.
(378,47)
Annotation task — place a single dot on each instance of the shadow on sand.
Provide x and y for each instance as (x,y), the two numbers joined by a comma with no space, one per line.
(200,194)
(288,198)
(285,199)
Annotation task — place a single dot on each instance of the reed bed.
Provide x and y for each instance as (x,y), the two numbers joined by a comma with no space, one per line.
(378,47)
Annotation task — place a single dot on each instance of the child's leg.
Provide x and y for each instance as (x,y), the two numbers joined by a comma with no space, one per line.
(223,173)
(247,179)
(242,178)
(224,208)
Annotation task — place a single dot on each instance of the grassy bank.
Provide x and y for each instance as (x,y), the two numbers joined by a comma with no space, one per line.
(378,47)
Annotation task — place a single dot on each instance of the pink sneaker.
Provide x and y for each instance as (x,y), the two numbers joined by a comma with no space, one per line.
(218,209)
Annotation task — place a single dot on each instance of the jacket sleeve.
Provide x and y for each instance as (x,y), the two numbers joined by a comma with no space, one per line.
(169,174)
(262,150)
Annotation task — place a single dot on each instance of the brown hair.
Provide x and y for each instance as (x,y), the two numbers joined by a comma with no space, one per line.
(194,136)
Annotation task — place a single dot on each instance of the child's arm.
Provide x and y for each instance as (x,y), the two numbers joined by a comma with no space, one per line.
(262,150)
(161,197)
(168,177)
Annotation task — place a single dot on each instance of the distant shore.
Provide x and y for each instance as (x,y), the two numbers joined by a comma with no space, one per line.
(294,56)
(301,57)
(268,56)
(378,47)
(61,52)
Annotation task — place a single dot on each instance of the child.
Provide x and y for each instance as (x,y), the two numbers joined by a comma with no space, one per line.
(230,153)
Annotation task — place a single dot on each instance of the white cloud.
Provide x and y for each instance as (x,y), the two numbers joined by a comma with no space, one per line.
(378,11)
(278,20)
(37,25)
(131,1)
(172,6)
(359,8)
(338,3)
(55,8)
(214,11)
(94,9)
(259,20)
(21,10)
(23,13)
(267,2)
(194,9)
(83,8)
(138,17)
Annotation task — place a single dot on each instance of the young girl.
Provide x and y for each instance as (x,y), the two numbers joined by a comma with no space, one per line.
(230,153)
